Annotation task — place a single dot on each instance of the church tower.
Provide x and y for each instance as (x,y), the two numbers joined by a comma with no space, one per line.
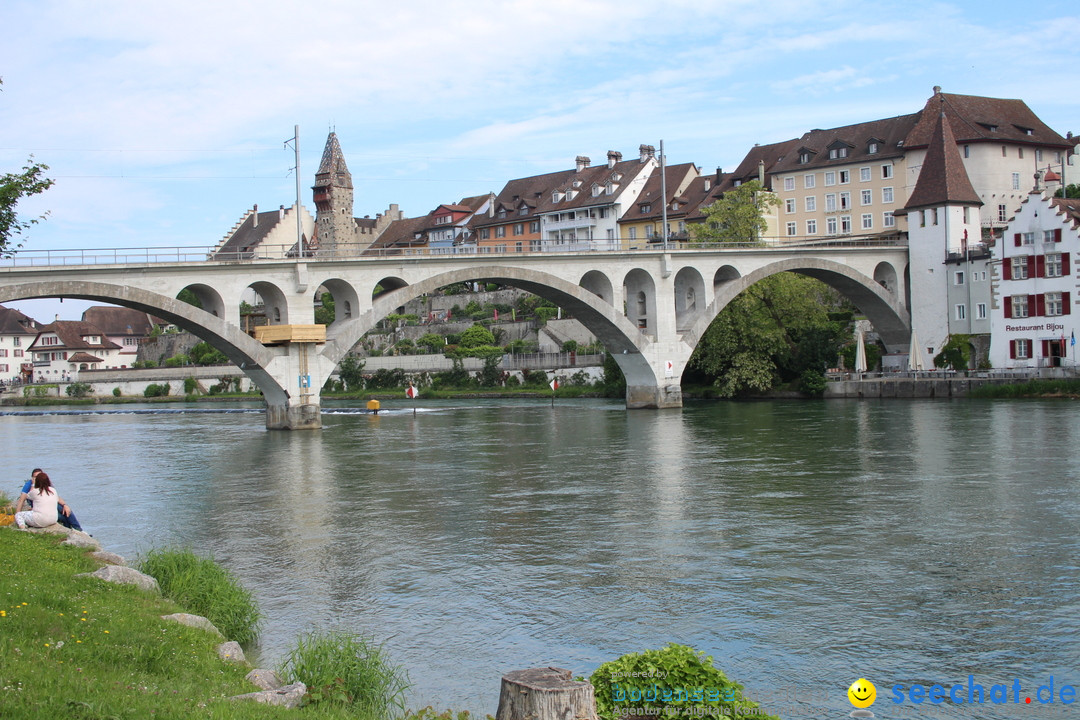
(943,221)
(333,194)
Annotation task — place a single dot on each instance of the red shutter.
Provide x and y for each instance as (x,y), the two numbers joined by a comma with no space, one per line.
(1031,266)
(1006,269)
(1035,304)
(1057,235)
(1012,349)
(1065,264)
(1008,306)
(1065,303)
(1016,240)
(1040,266)
(1046,348)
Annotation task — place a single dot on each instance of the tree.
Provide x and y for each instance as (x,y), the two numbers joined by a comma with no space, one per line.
(351,372)
(476,336)
(1072,190)
(14,187)
(955,354)
(324,312)
(736,216)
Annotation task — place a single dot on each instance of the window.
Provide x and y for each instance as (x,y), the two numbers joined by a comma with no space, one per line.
(3,368)
(967,151)
(845,201)
(1021,349)
(534,226)
(1038,155)
(523,210)
(519,229)
(1019,306)
(830,225)
(980,311)
(646,208)
(789,205)
(1027,238)
(886,172)
(1051,236)
(1004,151)
(1020,153)
(1053,303)
(845,177)
(864,174)
(888,220)
(830,202)
(872,148)
(648,231)
(485,233)
(845,224)
(1053,265)
(18,352)
(967,215)
(811,227)
(1003,214)
(830,178)
(792,229)
(961,312)
(867,221)
(958,277)
(809,181)
(936,215)
(633,233)
(1020,268)
(1016,181)
(17,341)
(804,157)
(887,195)
(500,231)
(3,352)
(866,197)
(789,183)
(811,203)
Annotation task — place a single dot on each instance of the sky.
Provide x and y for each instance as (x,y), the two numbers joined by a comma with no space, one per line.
(163,122)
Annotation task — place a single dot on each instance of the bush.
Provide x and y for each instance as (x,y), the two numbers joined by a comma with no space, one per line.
(345,669)
(116,392)
(205,588)
(79,389)
(812,382)
(190,385)
(204,354)
(570,346)
(386,379)
(154,390)
(178,361)
(650,681)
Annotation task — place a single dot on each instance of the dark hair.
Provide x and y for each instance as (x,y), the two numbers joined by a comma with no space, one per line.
(35,471)
(42,484)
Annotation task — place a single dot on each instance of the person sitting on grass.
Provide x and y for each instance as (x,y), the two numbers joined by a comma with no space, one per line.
(44,509)
(66,516)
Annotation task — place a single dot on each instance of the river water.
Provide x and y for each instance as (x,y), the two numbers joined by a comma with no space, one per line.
(801,544)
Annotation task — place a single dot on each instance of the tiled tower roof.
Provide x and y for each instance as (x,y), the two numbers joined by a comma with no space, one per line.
(943,179)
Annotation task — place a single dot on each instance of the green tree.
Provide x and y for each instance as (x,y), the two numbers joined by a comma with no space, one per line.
(14,187)
(324,312)
(476,336)
(736,216)
(434,343)
(189,297)
(1072,190)
(351,372)
(204,353)
(955,354)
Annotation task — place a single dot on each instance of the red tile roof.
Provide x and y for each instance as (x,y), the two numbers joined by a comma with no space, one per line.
(983,119)
(943,179)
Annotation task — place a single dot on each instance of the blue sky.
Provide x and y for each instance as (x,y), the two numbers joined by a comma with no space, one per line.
(162,122)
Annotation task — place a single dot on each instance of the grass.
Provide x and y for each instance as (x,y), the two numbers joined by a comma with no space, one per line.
(349,670)
(1031,388)
(207,589)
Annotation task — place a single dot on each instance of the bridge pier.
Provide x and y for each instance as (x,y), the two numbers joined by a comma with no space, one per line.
(307,416)
(652,397)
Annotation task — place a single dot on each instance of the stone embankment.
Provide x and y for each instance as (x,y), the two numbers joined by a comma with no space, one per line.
(114,569)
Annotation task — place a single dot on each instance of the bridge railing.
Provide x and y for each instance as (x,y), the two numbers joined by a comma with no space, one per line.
(159,255)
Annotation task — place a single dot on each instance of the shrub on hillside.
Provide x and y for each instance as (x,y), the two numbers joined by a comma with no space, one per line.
(344,669)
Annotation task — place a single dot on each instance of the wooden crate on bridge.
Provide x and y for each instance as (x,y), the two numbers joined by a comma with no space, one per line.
(278,334)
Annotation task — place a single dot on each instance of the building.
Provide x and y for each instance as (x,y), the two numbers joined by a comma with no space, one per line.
(64,347)
(643,220)
(449,229)
(511,222)
(17,333)
(852,180)
(269,234)
(123,326)
(1031,318)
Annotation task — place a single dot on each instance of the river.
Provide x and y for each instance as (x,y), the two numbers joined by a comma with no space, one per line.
(802,544)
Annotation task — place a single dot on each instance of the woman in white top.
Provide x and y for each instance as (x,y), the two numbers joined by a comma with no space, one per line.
(45,500)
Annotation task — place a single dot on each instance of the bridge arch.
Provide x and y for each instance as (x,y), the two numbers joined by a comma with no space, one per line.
(209,298)
(641,300)
(245,352)
(346,300)
(600,285)
(275,304)
(608,324)
(689,296)
(889,317)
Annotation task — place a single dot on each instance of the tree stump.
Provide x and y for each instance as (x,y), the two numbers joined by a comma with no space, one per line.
(545,694)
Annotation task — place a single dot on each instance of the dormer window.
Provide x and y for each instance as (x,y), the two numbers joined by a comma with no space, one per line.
(571,194)
(872,148)
(577,183)
(502,212)
(646,208)
(523,210)
(595,190)
(556,196)
(675,205)
(804,157)
(609,189)
(990,127)
(1025,130)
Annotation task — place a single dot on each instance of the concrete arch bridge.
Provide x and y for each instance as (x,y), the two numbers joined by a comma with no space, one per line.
(649,307)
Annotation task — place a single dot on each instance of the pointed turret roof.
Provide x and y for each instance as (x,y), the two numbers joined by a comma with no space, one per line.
(333,167)
(943,179)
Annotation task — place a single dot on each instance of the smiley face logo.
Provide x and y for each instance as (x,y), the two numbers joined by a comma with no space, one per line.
(862,693)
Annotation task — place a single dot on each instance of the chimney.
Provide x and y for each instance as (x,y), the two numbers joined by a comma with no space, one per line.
(582,162)
(937,89)
(613,157)
(719,175)
(255,216)
(761,172)
(647,151)
(281,212)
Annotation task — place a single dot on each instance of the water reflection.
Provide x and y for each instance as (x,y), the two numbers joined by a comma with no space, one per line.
(802,544)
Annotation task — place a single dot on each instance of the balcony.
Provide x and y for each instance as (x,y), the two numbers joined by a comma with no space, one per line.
(580,222)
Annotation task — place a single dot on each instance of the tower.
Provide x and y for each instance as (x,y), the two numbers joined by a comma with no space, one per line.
(333,196)
(943,225)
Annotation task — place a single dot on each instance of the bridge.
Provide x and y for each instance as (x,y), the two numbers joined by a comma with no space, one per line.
(649,306)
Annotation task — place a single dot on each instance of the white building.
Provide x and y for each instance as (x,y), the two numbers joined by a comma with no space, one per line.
(1035,268)
(64,347)
(17,333)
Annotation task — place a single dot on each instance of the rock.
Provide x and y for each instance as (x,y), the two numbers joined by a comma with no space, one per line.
(289,696)
(124,576)
(54,529)
(265,679)
(81,539)
(108,558)
(195,621)
(231,652)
